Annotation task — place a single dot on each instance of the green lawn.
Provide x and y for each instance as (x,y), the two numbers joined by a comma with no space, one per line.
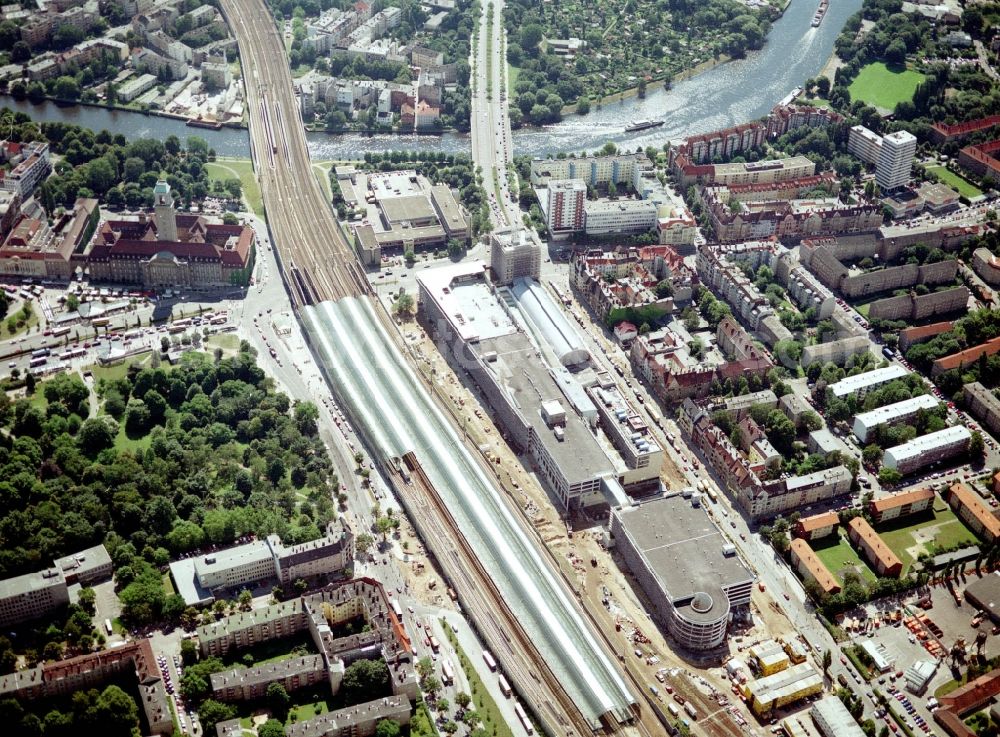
(512,74)
(954,181)
(493,721)
(118,370)
(226,341)
(223,169)
(840,555)
(936,528)
(878,85)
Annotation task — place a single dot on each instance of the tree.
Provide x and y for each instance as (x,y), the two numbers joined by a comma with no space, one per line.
(272,728)
(889,476)
(388,728)
(278,700)
(463,699)
(88,599)
(116,712)
(365,680)
(211,712)
(977,447)
(189,652)
(403,306)
(97,434)
(827,660)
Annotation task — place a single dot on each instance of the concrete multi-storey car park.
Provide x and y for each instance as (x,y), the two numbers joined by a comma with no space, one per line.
(694,578)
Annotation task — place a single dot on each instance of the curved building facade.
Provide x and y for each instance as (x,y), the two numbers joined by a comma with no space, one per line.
(551,324)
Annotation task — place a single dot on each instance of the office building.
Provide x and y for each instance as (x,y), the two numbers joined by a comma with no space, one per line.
(833,719)
(901,504)
(891,414)
(864,144)
(604,217)
(564,206)
(33,595)
(690,572)
(171,249)
(879,555)
(976,515)
(895,158)
(811,568)
(631,437)
(593,170)
(982,404)
(514,254)
(30,166)
(860,384)
(927,449)
(198,579)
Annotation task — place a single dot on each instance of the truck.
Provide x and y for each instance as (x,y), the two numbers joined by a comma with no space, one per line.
(673,710)
(691,711)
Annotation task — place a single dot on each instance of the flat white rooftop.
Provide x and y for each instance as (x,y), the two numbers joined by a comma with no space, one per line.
(851,384)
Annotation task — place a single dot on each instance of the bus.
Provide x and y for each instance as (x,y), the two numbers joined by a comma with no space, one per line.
(435,645)
(40,361)
(447,675)
(523,718)
(101,322)
(59,332)
(108,627)
(72,353)
(40,352)
(504,686)
(490,662)
(397,610)
(175,328)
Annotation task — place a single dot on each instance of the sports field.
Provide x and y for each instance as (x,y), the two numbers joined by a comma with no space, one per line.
(926,532)
(883,87)
(954,181)
(839,556)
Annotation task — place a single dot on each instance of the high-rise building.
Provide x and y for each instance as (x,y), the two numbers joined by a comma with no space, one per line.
(514,253)
(864,144)
(895,158)
(566,198)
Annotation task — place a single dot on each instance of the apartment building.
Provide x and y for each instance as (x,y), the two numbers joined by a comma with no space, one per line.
(927,449)
(895,158)
(808,565)
(966,357)
(66,677)
(763,172)
(891,414)
(945,133)
(564,206)
(817,525)
(593,170)
(901,504)
(864,144)
(879,555)
(629,277)
(977,516)
(860,384)
(982,404)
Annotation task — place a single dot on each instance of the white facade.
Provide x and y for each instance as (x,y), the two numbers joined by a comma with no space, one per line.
(565,205)
(864,144)
(865,422)
(861,383)
(619,216)
(895,159)
(927,449)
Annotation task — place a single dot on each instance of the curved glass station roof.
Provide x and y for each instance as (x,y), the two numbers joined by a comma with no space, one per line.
(382,393)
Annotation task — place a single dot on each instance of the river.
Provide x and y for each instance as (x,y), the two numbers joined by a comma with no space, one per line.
(731,93)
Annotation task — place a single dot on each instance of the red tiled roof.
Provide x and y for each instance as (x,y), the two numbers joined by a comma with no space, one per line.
(973,694)
(818,521)
(964,358)
(817,569)
(898,500)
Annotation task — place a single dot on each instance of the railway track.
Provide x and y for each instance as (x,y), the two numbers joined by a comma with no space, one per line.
(497,624)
